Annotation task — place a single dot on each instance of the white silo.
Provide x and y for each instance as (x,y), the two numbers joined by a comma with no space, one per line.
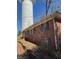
(27,13)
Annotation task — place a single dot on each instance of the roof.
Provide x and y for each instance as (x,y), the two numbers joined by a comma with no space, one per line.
(56,16)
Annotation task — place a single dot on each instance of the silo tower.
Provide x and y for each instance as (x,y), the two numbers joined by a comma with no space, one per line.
(27,13)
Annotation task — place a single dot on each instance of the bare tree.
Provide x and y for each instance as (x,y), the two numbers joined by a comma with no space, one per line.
(48,3)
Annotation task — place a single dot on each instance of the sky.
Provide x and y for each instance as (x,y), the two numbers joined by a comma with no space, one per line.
(39,10)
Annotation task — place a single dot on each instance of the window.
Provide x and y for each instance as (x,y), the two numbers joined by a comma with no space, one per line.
(44,26)
(33,30)
(27,32)
(47,25)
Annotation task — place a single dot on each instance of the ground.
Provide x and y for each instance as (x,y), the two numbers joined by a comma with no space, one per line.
(26,44)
